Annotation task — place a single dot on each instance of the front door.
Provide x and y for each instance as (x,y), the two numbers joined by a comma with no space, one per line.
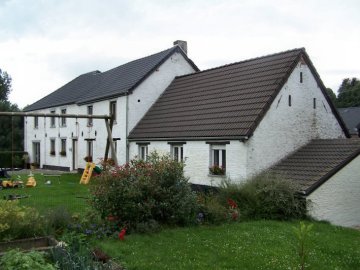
(36,153)
(74,154)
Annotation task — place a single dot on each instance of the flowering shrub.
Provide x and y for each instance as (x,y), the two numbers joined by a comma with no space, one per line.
(266,196)
(140,191)
(216,170)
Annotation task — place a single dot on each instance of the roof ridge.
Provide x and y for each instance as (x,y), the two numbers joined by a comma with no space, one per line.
(138,59)
(302,49)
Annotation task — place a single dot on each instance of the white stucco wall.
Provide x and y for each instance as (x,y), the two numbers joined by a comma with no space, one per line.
(285,129)
(197,160)
(147,92)
(338,199)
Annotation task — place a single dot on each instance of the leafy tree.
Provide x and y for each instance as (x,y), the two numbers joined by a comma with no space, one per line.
(331,94)
(349,93)
(5,85)
(11,128)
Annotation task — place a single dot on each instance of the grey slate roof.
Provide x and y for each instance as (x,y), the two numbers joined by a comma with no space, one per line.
(317,161)
(227,102)
(351,117)
(95,86)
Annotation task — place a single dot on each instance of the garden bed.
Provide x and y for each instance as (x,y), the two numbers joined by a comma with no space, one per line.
(37,244)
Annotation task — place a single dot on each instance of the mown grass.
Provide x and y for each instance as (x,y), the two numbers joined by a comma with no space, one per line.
(246,245)
(67,193)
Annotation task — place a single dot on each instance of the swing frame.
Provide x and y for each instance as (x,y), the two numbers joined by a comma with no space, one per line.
(109,122)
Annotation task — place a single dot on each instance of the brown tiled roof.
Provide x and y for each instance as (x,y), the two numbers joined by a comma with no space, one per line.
(317,161)
(227,102)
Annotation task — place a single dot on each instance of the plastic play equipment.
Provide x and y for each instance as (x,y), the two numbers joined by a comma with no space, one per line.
(4,173)
(31,182)
(85,178)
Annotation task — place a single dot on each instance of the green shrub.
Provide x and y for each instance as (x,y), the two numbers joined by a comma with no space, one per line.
(57,220)
(266,196)
(74,253)
(212,210)
(14,259)
(18,221)
(141,191)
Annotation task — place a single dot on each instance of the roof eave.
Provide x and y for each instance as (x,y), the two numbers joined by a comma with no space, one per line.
(219,138)
(326,177)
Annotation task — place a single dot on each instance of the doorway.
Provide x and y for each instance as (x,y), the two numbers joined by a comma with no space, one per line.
(36,153)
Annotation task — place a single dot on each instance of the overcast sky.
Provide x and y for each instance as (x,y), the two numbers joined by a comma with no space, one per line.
(46,43)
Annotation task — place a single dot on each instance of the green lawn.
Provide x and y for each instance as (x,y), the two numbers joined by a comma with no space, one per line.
(67,193)
(247,245)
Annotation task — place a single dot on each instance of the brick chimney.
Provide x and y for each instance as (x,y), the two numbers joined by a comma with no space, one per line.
(182,44)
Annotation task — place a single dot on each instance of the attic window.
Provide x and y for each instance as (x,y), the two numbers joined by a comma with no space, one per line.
(289,100)
(301,77)
(314,103)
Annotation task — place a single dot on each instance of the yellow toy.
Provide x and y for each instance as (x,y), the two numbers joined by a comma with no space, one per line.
(31,182)
(85,178)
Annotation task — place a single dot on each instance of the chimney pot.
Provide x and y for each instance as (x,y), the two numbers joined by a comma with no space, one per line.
(182,44)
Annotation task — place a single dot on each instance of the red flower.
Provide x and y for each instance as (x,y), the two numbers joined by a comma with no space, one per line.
(232,203)
(122,234)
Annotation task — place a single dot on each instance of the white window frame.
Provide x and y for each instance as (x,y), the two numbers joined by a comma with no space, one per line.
(143,151)
(90,149)
(90,111)
(63,119)
(115,147)
(36,122)
(113,109)
(217,154)
(177,152)
(53,146)
(63,145)
(52,119)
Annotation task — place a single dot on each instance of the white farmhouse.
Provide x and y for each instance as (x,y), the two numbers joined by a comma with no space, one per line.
(126,91)
(238,120)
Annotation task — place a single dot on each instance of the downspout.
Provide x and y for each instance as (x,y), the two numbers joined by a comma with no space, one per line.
(127,127)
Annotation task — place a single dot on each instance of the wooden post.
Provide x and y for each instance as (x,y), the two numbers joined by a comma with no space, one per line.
(110,140)
(107,141)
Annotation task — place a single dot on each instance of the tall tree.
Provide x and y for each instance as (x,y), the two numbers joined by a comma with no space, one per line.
(349,93)
(331,94)
(5,85)
(11,128)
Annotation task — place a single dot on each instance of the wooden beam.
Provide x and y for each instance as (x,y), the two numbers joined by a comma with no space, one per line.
(113,153)
(55,115)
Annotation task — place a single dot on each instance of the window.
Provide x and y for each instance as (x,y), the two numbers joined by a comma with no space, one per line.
(289,100)
(314,103)
(177,153)
(52,147)
(143,151)
(63,119)
(113,110)
(90,112)
(36,122)
(301,77)
(63,147)
(115,146)
(89,149)
(52,120)
(218,159)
